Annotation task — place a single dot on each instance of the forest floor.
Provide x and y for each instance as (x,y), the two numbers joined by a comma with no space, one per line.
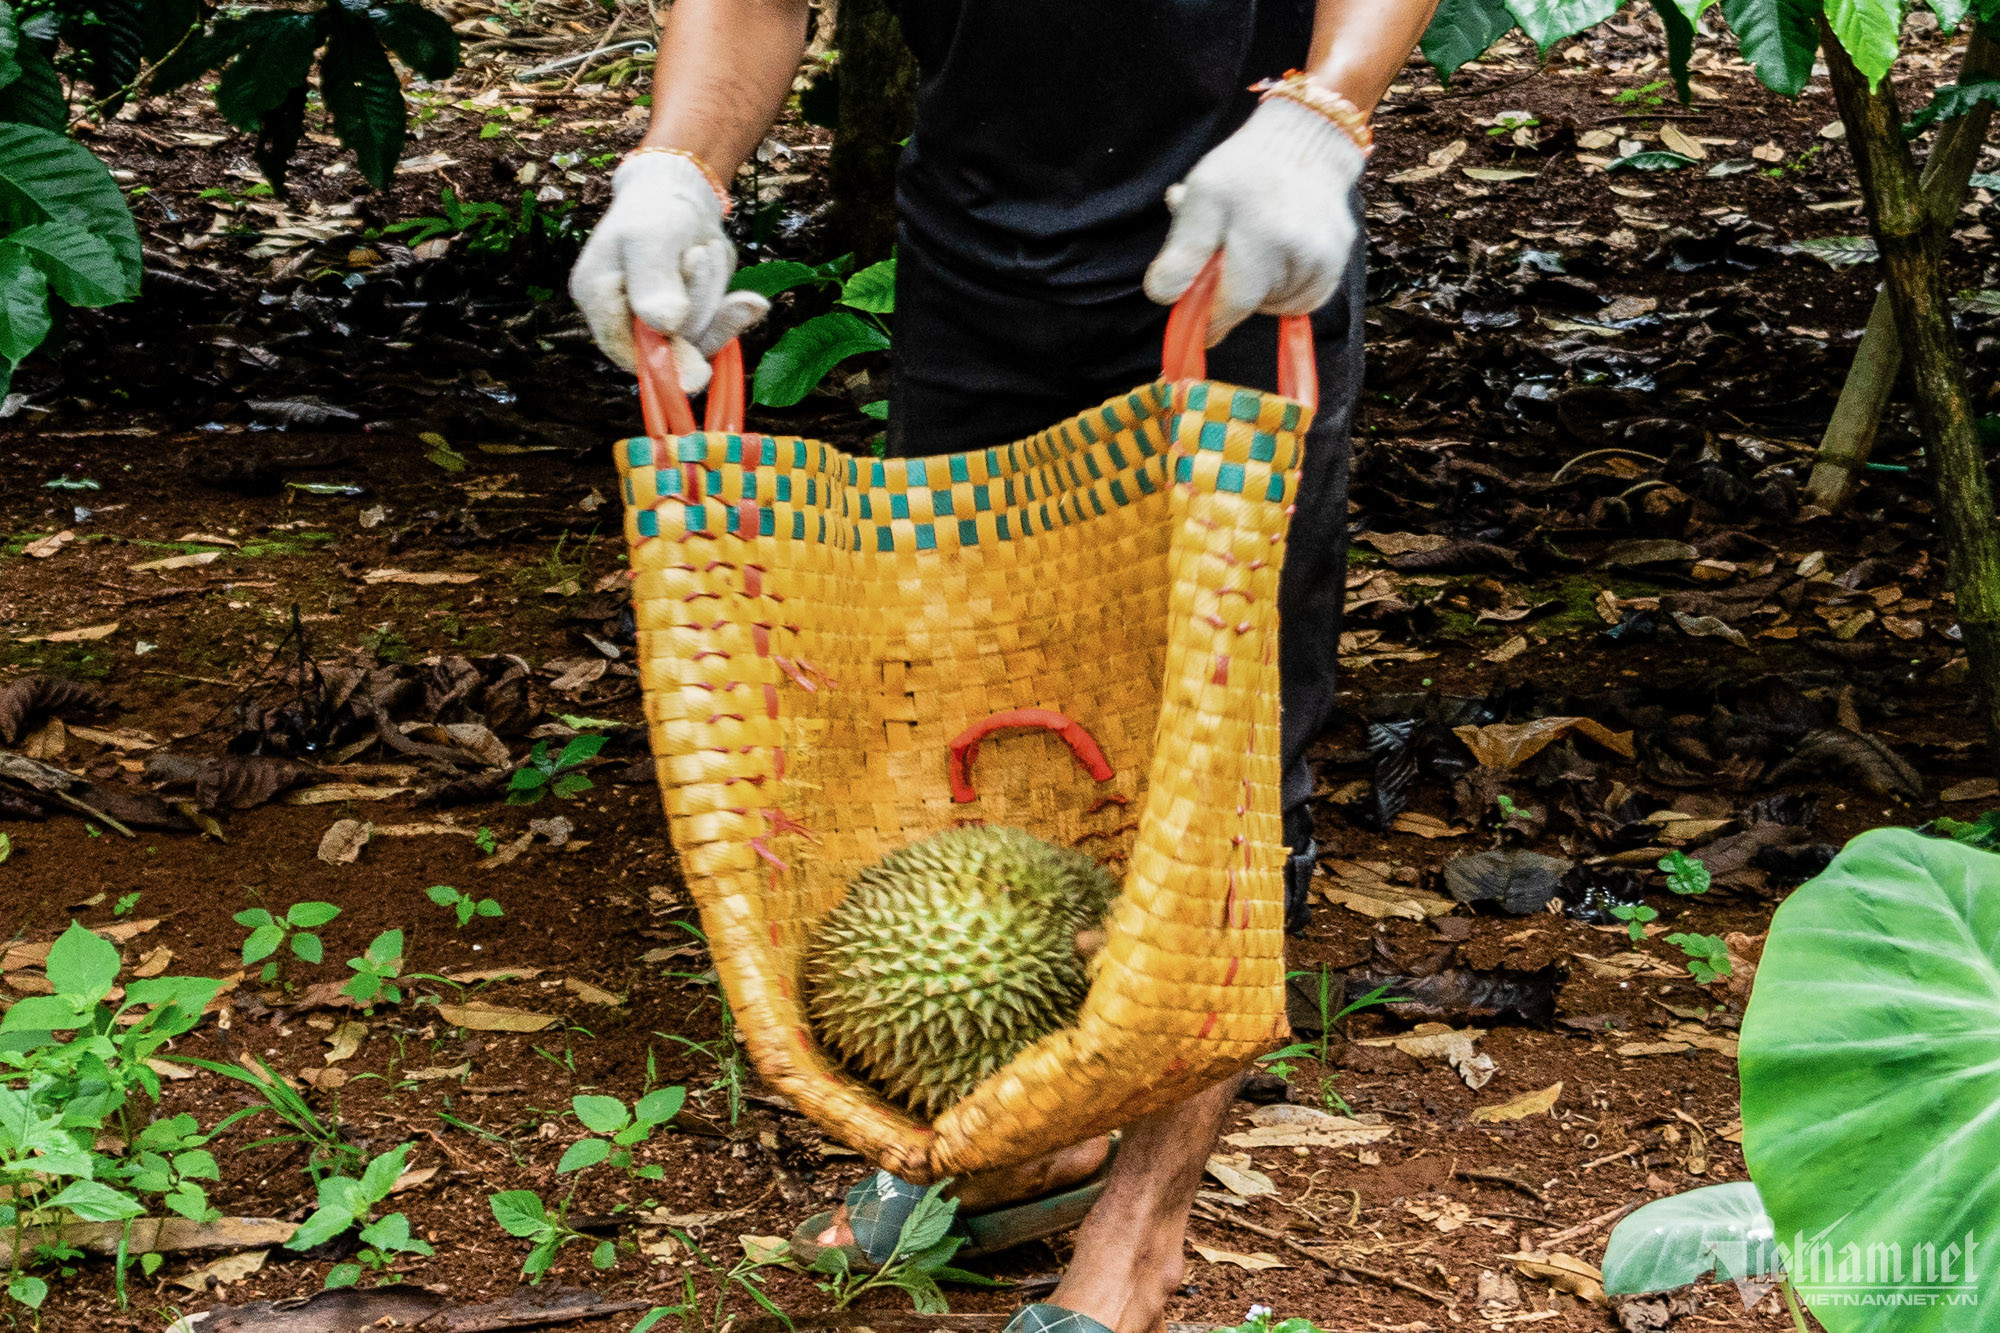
(1592,402)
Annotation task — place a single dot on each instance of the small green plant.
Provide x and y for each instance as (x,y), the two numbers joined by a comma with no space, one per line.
(345,1203)
(1509,121)
(1685,874)
(126,902)
(746,1274)
(1509,811)
(1330,1019)
(1259,1320)
(488,228)
(521,1213)
(328,1153)
(1707,956)
(295,927)
(1635,916)
(1647,96)
(1983,832)
(805,353)
(542,775)
(625,1130)
(170,1158)
(1798,163)
(731,1064)
(377,970)
(462,903)
(921,1259)
(485,841)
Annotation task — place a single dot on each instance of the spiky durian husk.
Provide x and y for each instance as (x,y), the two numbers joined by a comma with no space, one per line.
(950,956)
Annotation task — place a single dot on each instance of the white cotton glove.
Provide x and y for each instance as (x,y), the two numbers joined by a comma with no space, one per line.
(659,253)
(1273,197)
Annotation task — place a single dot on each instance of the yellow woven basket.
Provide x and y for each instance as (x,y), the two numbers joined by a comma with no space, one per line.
(826,640)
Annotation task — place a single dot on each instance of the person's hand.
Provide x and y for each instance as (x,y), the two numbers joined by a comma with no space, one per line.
(659,253)
(1273,197)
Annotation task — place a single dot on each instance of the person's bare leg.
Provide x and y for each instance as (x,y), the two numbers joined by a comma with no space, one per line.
(1128,1257)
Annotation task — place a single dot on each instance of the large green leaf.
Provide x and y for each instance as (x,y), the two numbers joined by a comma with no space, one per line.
(1870,1060)
(276,55)
(82,268)
(365,99)
(1779,37)
(1461,30)
(1950,13)
(1549,21)
(110,37)
(82,963)
(45,177)
(422,40)
(1867,30)
(10,42)
(799,360)
(1949,102)
(34,96)
(1671,1242)
(873,289)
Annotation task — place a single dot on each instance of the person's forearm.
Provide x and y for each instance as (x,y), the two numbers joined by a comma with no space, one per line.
(1359,46)
(724,69)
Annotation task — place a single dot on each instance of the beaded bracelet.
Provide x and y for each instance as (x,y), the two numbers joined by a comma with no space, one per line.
(1297,87)
(708,173)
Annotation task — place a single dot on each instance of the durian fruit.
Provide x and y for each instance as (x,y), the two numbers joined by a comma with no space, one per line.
(950,956)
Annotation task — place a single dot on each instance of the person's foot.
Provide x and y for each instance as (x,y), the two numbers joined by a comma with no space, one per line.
(984,1190)
(1128,1259)
(1301,859)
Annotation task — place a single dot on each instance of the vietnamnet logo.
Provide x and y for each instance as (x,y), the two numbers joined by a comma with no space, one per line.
(1878,1272)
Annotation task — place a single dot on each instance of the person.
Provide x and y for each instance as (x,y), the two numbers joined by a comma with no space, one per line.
(1072,168)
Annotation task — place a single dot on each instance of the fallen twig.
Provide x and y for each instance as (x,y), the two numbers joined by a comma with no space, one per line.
(1502,1178)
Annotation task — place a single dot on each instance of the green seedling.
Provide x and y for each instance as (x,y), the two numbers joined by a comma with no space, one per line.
(169,1158)
(522,1213)
(485,841)
(542,775)
(346,1203)
(295,928)
(1647,96)
(125,903)
(624,1130)
(328,1153)
(746,1274)
(462,903)
(1983,832)
(1279,1062)
(731,1065)
(1685,874)
(1507,122)
(377,970)
(1635,916)
(1707,956)
(1509,811)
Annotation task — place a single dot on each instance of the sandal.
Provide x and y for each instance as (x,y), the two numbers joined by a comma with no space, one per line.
(1042,1317)
(879,1204)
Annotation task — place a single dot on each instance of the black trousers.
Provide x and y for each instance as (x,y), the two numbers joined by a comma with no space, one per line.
(978,365)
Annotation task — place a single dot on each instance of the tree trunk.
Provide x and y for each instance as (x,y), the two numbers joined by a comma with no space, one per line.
(1910,237)
(878,89)
(1864,396)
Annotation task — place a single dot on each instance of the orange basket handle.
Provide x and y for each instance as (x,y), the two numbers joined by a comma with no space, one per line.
(1186,353)
(665,408)
(965,746)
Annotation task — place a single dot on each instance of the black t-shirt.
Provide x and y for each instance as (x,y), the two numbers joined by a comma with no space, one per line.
(1048,131)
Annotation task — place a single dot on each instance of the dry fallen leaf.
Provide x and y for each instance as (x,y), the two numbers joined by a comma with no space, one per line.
(763,1249)
(154,963)
(478,1017)
(177,562)
(1508,745)
(1256,1263)
(1972,789)
(1339,1133)
(1425,826)
(47,546)
(345,1040)
(229,1268)
(1450,153)
(590,994)
(409,1180)
(1564,1272)
(1439,1041)
(1447,1216)
(1238,1176)
(1533,1103)
(1682,143)
(1509,650)
(87,634)
(432,1073)
(1643,1048)
(421,578)
(334,792)
(343,842)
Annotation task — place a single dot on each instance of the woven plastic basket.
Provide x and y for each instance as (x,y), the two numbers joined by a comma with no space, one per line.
(828,643)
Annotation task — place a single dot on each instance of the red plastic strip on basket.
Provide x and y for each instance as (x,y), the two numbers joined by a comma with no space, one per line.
(666,409)
(965,748)
(1185,356)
